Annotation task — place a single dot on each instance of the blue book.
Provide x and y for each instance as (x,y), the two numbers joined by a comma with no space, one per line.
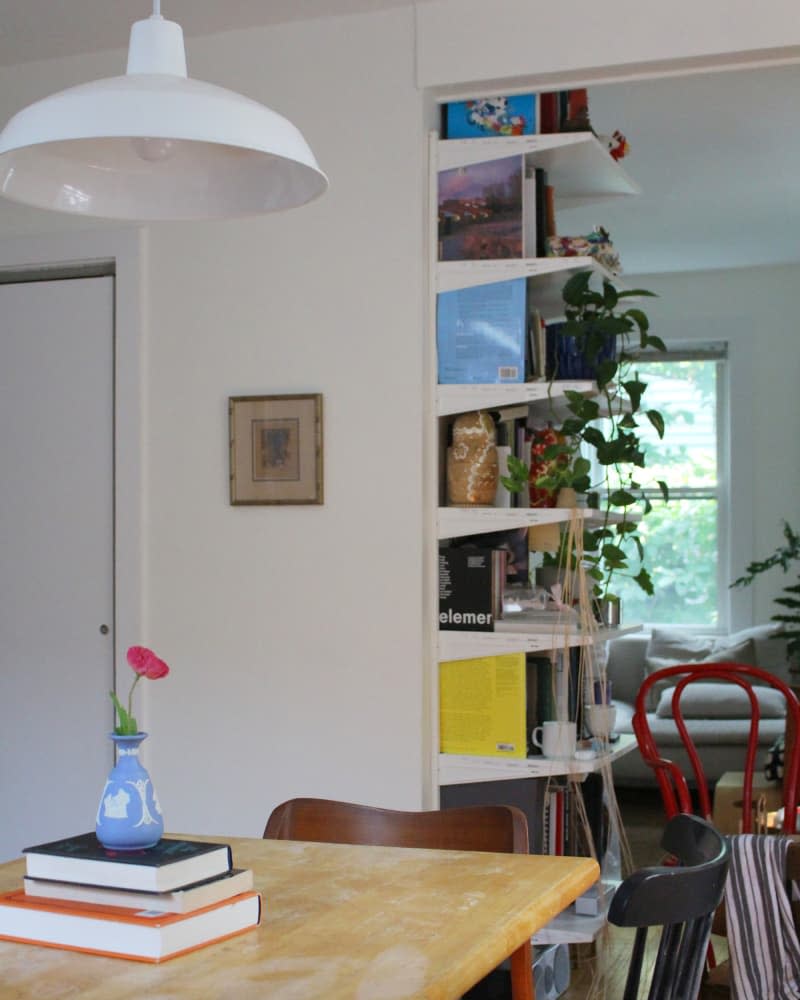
(491,116)
(480,333)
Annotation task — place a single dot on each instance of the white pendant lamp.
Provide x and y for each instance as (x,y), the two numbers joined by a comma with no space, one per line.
(155,144)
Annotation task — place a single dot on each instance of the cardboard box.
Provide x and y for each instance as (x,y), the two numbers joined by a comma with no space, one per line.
(727,812)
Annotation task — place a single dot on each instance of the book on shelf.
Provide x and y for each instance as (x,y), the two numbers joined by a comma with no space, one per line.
(486,117)
(172,863)
(123,932)
(471,583)
(480,210)
(481,333)
(482,706)
(183,900)
(513,541)
(541,212)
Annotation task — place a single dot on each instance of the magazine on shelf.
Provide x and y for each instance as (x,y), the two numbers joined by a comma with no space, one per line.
(481,333)
(482,706)
(487,117)
(471,584)
(480,210)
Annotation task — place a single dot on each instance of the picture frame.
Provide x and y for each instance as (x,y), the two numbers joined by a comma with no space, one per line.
(275,449)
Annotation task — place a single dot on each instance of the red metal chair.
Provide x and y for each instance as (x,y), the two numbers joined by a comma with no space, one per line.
(672,782)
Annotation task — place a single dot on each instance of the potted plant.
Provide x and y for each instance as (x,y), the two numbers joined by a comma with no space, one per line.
(783,556)
(601,330)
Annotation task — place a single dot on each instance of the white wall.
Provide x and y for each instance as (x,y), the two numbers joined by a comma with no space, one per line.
(295,635)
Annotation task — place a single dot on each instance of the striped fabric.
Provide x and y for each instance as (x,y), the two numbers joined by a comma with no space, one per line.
(763,945)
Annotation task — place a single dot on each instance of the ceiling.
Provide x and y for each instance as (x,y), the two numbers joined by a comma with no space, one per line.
(45,29)
(717,155)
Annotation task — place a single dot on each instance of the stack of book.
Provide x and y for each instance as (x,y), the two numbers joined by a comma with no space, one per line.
(147,905)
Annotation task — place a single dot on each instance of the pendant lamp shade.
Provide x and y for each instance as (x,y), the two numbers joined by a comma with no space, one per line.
(155,144)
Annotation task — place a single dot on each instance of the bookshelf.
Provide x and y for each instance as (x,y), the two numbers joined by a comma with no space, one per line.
(582,172)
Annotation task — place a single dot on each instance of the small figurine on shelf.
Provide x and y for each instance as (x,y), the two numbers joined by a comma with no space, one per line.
(616,144)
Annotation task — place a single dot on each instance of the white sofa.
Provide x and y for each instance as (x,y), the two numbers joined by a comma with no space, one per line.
(719,723)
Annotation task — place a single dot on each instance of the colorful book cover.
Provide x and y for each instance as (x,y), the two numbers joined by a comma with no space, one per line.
(482,706)
(483,117)
(481,333)
(471,584)
(480,210)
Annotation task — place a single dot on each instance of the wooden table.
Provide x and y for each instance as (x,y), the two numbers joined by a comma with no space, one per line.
(340,923)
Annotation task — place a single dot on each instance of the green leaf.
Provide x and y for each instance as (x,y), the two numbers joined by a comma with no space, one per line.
(652,341)
(664,489)
(576,287)
(639,318)
(621,498)
(645,582)
(657,421)
(636,293)
(606,372)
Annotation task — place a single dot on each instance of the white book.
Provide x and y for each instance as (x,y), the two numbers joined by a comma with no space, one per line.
(123,933)
(184,900)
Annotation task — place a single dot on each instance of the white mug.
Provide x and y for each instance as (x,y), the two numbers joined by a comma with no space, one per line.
(601,719)
(555,739)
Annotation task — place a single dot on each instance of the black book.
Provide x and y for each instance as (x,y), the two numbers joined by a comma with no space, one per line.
(541,212)
(471,581)
(168,865)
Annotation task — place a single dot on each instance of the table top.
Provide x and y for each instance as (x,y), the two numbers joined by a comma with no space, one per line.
(340,922)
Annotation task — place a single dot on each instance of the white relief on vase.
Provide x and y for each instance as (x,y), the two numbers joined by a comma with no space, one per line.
(141,787)
(156,803)
(127,751)
(116,806)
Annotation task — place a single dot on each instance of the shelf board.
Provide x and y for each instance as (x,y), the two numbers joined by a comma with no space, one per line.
(451,399)
(467,645)
(456,522)
(570,927)
(548,272)
(578,165)
(460,769)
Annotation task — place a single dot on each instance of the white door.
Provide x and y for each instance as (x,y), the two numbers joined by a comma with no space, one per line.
(56,556)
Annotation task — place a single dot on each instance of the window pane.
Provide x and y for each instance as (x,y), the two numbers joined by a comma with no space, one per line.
(685,392)
(680,542)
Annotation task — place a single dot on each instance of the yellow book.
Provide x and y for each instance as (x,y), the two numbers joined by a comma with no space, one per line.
(482,706)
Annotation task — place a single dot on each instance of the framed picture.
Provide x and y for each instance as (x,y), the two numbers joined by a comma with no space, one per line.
(276,449)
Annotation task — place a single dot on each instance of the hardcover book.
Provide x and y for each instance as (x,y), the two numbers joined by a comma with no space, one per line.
(484,117)
(184,900)
(481,333)
(480,210)
(121,932)
(170,864)
(482,706)
(471,584)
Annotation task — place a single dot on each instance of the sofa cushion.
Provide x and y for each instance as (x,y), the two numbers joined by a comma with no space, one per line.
(673,651)
(669,647)
(701,700)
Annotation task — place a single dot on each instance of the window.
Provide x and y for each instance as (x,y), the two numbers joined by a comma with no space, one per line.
(682,538)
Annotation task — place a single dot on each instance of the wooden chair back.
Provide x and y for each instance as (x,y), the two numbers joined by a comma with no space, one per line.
(681,900)
(500,829)
(673,783)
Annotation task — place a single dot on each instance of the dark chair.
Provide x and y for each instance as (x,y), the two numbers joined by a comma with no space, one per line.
(673,784)
(681,899)
(501,829)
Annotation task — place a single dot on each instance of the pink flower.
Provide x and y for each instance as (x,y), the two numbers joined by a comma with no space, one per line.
(144,661)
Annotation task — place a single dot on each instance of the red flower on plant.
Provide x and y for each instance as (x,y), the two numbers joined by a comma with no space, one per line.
(144,663)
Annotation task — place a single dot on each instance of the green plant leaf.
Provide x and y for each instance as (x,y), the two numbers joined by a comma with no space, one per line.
(645,582)
(657,421)
(664,490)
(621,498)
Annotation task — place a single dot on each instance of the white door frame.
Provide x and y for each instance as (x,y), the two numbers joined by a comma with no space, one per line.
(124,249)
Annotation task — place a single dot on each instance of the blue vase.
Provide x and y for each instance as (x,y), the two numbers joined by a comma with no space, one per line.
(129,816)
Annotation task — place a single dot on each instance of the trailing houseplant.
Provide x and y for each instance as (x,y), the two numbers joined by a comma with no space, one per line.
(606,332)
